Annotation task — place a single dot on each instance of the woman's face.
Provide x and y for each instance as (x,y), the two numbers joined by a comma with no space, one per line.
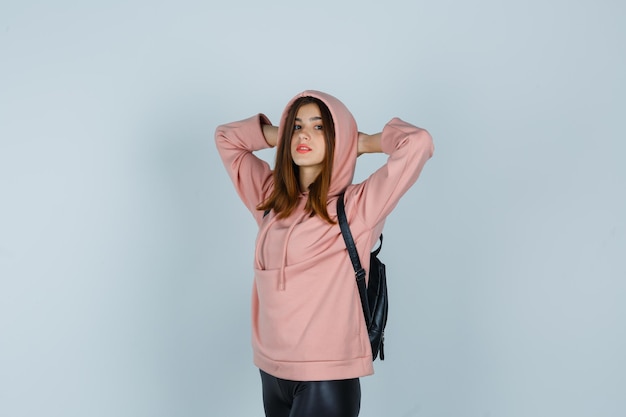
(308,142)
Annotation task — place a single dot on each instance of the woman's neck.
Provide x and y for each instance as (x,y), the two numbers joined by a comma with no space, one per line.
(307,177)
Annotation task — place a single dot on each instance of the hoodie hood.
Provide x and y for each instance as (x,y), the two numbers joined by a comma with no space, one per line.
(346,139)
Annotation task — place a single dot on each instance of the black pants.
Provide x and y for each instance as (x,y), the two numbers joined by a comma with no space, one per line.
(284,398)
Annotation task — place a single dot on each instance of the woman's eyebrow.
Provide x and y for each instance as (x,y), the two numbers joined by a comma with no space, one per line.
(310,119)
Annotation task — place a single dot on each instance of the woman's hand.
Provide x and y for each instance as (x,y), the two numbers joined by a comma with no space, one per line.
(368,143)
(271,134)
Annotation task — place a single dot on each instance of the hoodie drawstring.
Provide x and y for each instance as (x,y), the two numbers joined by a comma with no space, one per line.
(283,262)
(281,279)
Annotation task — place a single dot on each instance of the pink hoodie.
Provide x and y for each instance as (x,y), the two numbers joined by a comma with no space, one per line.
(307,322)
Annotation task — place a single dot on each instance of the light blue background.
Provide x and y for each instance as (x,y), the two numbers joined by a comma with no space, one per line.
(125,253)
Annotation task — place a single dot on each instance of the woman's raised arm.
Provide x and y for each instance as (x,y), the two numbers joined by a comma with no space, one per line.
(271,134)
(369,143)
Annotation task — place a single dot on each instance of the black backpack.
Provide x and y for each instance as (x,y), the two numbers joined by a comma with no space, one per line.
(373,298)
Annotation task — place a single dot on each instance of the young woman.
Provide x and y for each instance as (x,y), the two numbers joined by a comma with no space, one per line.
(308,332)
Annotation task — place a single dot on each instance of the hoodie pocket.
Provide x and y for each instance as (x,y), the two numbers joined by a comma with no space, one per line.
(314,319)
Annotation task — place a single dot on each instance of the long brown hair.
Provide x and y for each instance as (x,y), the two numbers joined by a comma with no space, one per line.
(284,197)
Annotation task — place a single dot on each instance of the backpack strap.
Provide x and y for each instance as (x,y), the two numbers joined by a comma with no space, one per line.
(359,272)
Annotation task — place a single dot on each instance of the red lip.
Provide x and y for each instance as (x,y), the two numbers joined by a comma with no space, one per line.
(303,149)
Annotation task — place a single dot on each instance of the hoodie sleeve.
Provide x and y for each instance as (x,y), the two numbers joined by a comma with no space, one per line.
(408,147)
(251,176)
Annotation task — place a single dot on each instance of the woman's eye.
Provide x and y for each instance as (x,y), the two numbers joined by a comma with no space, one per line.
(297,127)
(319,127)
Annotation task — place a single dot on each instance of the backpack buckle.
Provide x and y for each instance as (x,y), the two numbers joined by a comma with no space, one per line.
(360,274)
